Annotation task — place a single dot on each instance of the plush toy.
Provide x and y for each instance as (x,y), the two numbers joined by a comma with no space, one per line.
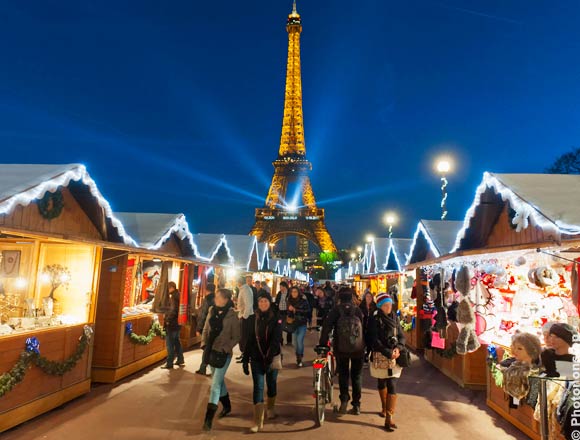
(467,341)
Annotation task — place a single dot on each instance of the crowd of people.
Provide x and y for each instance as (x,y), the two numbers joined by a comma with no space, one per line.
(362,332)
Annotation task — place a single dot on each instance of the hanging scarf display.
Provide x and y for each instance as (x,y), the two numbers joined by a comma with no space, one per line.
(184,296)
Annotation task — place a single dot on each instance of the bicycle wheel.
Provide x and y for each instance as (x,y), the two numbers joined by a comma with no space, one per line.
(320,396)
(329,388)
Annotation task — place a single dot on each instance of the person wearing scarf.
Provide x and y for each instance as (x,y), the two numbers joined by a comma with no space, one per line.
(264,343)
(387,338)
(220,333)
(368,307)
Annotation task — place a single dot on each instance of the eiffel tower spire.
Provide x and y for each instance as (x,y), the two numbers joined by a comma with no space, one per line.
(292,139)
(295,213)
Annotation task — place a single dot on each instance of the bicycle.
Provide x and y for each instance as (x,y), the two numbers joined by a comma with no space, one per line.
(324,370)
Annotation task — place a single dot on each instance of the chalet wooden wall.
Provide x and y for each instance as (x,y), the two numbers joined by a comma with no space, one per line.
(73,221)
(503,234)
(57,345)
(171,246)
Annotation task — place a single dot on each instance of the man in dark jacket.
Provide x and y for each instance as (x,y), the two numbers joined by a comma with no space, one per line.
(172,328)
(346,322)
(208,302)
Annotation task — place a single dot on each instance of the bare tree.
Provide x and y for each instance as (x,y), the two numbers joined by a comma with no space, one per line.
(568,163)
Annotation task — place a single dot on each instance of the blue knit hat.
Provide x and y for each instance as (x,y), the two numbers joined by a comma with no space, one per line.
(383,298)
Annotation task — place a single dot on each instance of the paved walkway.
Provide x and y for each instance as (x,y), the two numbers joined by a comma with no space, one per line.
(169,405)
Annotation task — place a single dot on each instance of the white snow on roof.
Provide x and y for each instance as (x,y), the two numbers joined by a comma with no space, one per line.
(549,201)
(207,245)
(241,248)
(152,230)
(442,233)
(21,184)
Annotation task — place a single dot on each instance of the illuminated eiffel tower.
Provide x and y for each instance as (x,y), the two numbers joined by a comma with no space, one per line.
(292,213)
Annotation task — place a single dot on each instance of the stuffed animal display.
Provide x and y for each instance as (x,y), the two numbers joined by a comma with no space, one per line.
(467,341)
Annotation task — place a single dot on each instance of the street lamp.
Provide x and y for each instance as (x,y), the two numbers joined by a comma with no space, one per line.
(359,249)
(390,220)
(443,168)
(352,256)
(370,238)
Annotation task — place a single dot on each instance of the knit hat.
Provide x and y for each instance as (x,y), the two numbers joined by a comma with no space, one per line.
(564,331)
(383,298)
(264,294)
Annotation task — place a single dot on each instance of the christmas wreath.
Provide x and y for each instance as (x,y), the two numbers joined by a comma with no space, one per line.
(51,205)
(31,356)
(154,330)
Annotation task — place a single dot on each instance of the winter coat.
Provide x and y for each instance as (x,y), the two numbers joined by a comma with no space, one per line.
(268,336)
(208,301)
(282,299)
(331,323)
(302,311)
(382,329)
(228,337)
(170,318)
(323,306)
(367,313)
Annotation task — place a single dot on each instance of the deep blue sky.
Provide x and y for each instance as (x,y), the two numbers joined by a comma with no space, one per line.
(176,106)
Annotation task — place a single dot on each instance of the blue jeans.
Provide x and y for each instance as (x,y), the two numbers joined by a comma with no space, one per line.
(218,382)
(258,374)
(299,334)
(173,347)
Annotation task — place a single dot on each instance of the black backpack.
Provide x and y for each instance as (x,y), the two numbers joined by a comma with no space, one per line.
(349,328)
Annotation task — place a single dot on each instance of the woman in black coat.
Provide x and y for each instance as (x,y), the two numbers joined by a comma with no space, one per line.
(387,339)
(368,308)
(262,353)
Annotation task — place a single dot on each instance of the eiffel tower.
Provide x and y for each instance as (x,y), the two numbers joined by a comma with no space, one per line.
(295,213)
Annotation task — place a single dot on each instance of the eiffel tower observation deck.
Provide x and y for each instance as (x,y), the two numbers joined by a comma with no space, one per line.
(292,213)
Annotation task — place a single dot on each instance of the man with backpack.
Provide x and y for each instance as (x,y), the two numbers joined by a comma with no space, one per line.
(346,322)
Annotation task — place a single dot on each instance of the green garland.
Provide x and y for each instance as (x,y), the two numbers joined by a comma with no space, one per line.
(448,353)
(29,358)
(496,372)
(407,326)
(51,205)
(155,330)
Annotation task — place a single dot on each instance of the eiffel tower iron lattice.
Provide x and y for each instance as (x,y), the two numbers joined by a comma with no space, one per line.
(292,214)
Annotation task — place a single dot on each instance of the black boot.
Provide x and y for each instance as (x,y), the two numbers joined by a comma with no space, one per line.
(226,406)
(343,407)
(209,415)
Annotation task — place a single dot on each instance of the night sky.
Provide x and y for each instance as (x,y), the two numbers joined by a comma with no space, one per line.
(176,106)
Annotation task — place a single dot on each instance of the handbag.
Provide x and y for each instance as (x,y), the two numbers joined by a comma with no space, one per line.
(289,325)
(277,362)
(217,359)
(381,362)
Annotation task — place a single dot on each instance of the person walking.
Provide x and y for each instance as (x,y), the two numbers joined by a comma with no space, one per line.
(368,308)
(245,310)
(220,335)
(208,302)
(263,355)
(172,330)
(298,311)
(388,342)
(282,305)
(255,290)
(346,321)
(323,304)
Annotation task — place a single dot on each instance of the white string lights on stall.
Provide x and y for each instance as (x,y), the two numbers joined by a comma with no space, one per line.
(526,214)
(421,230)
(78,173)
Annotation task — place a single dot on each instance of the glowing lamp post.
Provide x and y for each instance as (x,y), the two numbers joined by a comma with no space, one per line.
(443,168)
(370,238)
(390,220)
